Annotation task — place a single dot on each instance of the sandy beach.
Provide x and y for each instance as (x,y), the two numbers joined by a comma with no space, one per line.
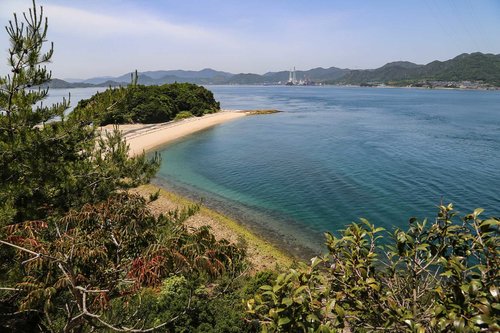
(144,137)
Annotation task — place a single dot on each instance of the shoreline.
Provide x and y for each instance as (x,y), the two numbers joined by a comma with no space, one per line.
(279,231)
(262,254)
(146,137)
(143,138)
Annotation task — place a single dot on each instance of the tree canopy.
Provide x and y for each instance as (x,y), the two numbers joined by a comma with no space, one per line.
(146,104)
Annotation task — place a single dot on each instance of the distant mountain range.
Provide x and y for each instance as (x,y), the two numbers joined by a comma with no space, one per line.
(475,67)
(205,76)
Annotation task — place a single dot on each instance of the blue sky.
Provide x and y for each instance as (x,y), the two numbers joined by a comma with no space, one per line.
(112,37)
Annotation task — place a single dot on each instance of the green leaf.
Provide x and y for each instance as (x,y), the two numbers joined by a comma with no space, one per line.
(312,318)
(480,319)
(339,310)
(324,329)
(374,286)
(422,247)
(315,262)
(299,290)
(478,211)
(459,324)
(492,222)
(447,274)
(280,278)
(438,309)
(299,299)
(283,321)
(287,301)
(494,292)
(270,293)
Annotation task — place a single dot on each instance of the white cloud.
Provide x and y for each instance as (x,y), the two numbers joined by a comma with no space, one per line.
(84,23)
(90,42)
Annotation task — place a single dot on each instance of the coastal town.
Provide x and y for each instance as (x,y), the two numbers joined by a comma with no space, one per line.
(468,85)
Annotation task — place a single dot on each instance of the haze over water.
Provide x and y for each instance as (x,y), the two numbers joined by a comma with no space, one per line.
(337,154)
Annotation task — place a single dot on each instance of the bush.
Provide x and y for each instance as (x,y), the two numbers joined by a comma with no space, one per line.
(441,277)
(183,115)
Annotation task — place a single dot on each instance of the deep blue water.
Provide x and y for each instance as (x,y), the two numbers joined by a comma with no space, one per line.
(337,154)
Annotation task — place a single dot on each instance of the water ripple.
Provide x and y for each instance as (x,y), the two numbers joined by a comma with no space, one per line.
(337,154)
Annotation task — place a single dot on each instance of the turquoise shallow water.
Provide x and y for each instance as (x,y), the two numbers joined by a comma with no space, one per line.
(337,154)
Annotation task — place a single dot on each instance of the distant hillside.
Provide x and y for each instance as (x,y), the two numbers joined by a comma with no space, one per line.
(246,79)
(206,76)
(206,73)
(465,67)
(316,74)
(477,67)
(61,84)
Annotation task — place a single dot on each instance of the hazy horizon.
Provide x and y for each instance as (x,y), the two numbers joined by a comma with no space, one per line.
(94,38)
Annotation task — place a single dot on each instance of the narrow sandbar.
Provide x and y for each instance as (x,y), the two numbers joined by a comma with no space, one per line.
(144,137)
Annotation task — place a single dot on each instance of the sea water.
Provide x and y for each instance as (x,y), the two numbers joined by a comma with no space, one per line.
(336,154)
(73,96)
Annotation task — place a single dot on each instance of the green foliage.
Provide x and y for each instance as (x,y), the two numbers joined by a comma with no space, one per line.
(435,277)
(183,115)
(146,104)
(72,241)
(293,303)
(74,266)
(154,196)
(49,163)
(472,67)
(257,281)
(195,303)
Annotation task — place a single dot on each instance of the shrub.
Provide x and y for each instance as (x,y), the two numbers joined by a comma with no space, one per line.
(183,115)
(440,276)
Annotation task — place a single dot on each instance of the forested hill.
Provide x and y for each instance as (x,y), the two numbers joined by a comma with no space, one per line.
(146,104)
(465,67)
(476,67)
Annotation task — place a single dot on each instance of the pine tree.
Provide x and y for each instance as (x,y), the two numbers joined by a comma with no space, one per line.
(49,163)
(73,244)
